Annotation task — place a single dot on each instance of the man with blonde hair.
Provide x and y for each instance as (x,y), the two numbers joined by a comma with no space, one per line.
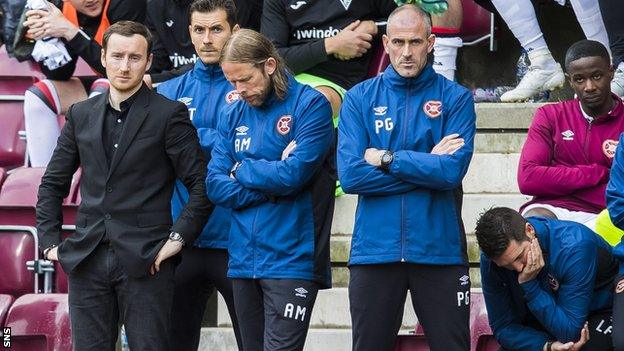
(272,167)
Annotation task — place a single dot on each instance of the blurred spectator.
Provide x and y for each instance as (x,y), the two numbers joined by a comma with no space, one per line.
(80,24)
(446,28)
(174,54)
(544,72)
(613,18)
(569,150)
(248,13)
(326,43)
(10,12)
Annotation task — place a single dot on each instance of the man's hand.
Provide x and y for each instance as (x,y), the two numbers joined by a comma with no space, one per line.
(289,149)
(171,248)
(52,254)
(349,43)
(448,145)
(573,346)
(49,23)
(373,156)
(534,264)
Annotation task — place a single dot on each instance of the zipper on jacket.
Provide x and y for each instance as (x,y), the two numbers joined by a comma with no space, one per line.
(586,142)
(407,94)
(253,244)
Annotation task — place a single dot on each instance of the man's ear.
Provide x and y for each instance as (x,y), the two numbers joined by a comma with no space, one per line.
(430,42)
(270,66)
(385,40)
(529,230)
(236,28)
(149,62)
(103,57)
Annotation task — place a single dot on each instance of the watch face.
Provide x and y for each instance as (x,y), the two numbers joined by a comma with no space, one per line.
(386,158)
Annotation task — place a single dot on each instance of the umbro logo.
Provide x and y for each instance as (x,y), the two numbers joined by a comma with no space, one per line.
(464,280)
(169,23)
(568,135)
(346,3)
(380,110)
(297,5)
(301,292)
(186,100)
(242,130)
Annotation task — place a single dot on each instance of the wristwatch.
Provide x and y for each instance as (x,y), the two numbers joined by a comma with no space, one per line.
(177,237)
(549,346)
(386,159)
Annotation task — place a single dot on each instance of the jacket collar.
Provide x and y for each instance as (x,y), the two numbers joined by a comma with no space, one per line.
(206,72)
(542,232)
(614,113)
(422,80)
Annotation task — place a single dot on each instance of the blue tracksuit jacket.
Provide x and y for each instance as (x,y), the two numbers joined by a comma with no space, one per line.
(205,91)
(282,208)
(576,280)
(413,212)
(615,197)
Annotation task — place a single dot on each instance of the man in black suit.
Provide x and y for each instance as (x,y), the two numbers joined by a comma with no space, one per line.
(132,144)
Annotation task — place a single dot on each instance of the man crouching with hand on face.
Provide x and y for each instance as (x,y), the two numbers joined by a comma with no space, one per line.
(132,144)
(547,283)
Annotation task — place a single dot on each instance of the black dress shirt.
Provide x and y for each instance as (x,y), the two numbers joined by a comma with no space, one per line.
(113,125)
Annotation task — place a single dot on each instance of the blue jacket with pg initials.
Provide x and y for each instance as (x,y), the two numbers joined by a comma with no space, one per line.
(282,209)
(205,91)
(412,213)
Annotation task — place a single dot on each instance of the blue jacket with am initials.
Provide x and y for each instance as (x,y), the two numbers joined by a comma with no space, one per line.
(282,208)
(412,213)
(577,279)
(205,91)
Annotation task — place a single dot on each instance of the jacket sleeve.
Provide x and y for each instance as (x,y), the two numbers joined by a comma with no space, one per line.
(298,57)
(441,172)
(356,175)
(615,188)
(55,185)
(314,135)
(564,317)
(222,189)
(506,324)
(536,174)
(182,147)
(207,138)
(89,49)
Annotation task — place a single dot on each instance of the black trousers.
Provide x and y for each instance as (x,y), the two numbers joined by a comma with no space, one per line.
(440,296)
(201,272)
(101,296)
(613,18)
(274,314)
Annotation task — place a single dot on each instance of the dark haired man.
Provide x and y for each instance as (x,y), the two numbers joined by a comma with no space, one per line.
(272,167)
(547,284)
(205,91)
(131,144)
(570,146)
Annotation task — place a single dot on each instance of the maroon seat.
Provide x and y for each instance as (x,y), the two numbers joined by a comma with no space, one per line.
(482,338)
(5,303)
(3,174)
(379,61)
(12,148)
(40,322)
(16,248)
(475,21)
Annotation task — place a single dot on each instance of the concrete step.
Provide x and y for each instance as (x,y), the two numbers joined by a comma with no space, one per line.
(331,310)
(498,116)
(499,142)
(492,173)
(223,339)
(473,206)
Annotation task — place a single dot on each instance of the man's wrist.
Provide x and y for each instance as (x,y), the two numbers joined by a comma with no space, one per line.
(70,33)
(548,346)
(329,45)
(47,250)
(175,236)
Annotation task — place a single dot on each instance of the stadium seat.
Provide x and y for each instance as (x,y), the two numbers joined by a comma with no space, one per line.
(16,248)
(412,342)
(40,322)
(3,174)
(379,61)
(482,338)
(477,24)
(5,303)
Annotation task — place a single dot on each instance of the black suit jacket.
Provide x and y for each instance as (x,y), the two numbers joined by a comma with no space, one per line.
(130,201)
